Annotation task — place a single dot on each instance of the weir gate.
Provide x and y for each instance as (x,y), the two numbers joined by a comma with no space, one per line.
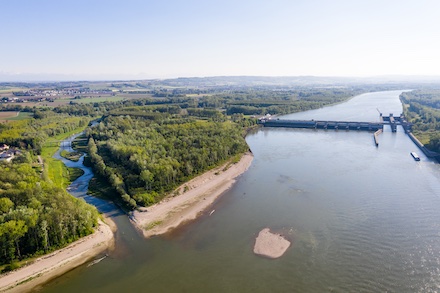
(339,125)
(376,127)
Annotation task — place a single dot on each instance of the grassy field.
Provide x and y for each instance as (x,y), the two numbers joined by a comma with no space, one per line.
(5,115)
(199,95)
(134,96)
(13,116)
(21,116)
(97,99)
(72,156)
(57,172)
(65,99)
(8,90)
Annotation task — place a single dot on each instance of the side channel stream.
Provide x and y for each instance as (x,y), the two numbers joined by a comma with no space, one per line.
(127,238)
(79,187)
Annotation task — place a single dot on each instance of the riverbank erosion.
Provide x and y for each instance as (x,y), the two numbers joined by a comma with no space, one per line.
(61,261)
(195,197)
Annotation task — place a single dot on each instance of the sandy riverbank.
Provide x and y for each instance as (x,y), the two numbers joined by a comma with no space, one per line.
(201,192)
(60,261)
(270,244)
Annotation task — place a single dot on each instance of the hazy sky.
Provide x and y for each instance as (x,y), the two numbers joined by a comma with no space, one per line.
(172,38)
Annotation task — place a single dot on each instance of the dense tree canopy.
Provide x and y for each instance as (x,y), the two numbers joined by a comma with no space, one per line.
(35,217)
(422,107)
(32,133)
(142,158)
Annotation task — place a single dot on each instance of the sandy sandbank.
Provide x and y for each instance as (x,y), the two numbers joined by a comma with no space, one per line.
(200,193)
(60,261)
(270,245)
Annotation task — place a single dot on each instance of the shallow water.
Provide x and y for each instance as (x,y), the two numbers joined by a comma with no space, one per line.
(361,219)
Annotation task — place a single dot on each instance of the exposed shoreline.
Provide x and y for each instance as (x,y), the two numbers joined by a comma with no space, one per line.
(201,193)
(60,261)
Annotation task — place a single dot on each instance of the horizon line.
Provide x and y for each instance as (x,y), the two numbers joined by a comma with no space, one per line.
(32,77)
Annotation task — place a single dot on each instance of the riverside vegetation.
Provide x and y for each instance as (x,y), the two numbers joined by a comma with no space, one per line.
(140,151)
(422,107)
(37,215)
(145,148)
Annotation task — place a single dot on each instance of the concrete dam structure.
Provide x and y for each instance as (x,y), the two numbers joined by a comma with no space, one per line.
(316,124)
(268,121)
(376,127)
(394,121)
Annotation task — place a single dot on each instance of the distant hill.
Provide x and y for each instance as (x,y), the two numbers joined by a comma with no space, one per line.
(233,81)
(256,81)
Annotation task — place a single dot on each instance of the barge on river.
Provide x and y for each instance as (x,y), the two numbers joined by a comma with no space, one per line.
(415,156)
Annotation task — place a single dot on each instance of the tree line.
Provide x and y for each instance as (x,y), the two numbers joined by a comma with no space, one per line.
(422,108)
(143,159)
(35,216)
(146,147)
(31,134)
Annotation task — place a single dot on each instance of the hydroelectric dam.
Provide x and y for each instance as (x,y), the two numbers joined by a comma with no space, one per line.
(339,125)
(376,127)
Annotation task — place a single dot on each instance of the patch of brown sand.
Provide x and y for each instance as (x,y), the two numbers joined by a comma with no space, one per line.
(270,245)
(60,261)
(198,194)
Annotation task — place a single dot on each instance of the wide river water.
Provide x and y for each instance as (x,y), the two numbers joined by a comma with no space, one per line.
(361,218)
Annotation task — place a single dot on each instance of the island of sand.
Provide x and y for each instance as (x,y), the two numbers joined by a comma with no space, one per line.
(194,197)
(270,245)
(60,261)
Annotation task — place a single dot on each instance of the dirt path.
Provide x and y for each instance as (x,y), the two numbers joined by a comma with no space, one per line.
(40,160)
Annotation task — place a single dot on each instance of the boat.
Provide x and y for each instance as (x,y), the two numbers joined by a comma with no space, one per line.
(415,156)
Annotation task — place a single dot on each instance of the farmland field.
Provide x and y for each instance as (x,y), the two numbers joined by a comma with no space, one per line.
(14,115)
(98,99)
(21,116)
(6,115)
(9,90)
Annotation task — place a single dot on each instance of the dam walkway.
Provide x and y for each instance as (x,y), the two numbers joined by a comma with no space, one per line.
(376,127)
(268,121)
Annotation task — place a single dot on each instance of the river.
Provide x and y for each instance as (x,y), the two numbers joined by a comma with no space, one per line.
(361,218)
(79,187)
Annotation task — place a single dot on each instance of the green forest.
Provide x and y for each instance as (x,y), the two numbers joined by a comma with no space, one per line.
(145,148)
(37,215)
(143,159)
(422,108)
(32,134)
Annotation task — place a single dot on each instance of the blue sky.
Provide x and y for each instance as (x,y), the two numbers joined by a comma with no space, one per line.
(170,38)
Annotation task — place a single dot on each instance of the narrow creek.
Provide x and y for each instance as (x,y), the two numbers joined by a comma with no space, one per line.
(79,187)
